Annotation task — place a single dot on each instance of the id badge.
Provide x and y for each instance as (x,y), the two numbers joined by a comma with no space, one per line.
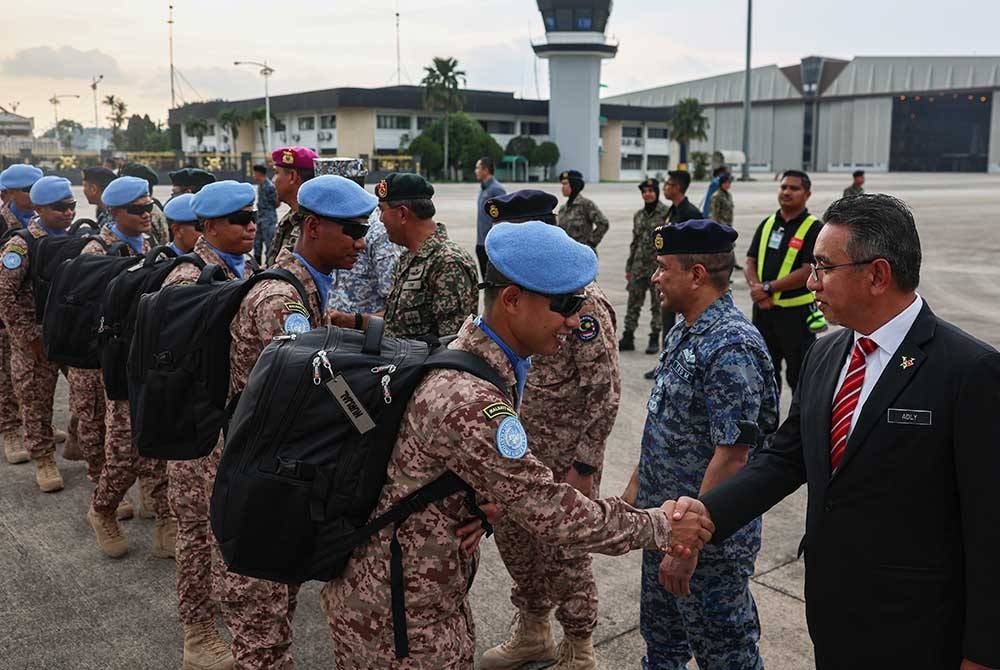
(775,241)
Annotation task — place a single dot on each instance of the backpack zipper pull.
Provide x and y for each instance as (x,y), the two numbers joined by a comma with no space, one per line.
(326,362)
(100,326)
(386,393)
(384,368)
(276,338)
(317,378)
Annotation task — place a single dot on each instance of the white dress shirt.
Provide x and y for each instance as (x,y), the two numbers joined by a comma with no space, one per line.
(888,338)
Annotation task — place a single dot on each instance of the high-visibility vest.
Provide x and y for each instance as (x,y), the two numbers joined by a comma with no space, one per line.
(788,264)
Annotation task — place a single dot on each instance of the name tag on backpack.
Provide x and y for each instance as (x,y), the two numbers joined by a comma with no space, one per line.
(353,409)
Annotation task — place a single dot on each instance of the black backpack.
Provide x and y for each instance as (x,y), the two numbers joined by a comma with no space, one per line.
(178,364)
(307,450)
(72,317)
(120,306)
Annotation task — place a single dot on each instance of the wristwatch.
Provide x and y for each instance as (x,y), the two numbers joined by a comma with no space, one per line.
(766,287)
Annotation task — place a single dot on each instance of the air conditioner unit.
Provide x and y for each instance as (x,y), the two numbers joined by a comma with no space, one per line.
(296,137)
(638,142)
(284,137)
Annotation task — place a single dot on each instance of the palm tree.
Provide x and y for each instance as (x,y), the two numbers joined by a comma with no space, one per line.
(117,108)
(196,128)
(230,119)
(688,123)
(64,132)
(259,116)
(441,91)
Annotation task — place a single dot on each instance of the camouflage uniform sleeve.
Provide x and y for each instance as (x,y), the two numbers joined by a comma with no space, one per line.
(455,296)
(735,391)
(20,324)
(524,488)
(600,385)
(158,232)
(715,209)
(636,234)
(600,223)
(384,257)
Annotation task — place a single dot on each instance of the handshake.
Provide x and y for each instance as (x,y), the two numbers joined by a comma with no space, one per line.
(690,528)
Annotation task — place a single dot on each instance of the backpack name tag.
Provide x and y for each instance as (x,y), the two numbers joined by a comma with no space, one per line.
(353,409)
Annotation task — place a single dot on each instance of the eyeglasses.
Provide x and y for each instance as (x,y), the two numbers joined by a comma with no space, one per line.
(565,304)
(817,269)
(244,217)
(63,206)
(139,210)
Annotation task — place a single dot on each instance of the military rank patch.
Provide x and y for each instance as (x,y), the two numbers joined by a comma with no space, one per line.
(512,441)
(498,409)
(296,323)
(297,308)
(658,240)
(589,328)
(12,260)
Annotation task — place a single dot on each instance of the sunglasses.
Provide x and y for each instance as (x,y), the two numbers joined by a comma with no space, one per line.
(352,229)
(139,210)
(564,304)
(244,217)
(63,206)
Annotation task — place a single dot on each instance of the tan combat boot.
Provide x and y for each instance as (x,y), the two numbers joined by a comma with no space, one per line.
(47,475)
(13,447)
(125,510)
(110,537)
(71,450)
(530,640)
(204,649)
(58,436)
(164,537)
(576,654)
(146,506)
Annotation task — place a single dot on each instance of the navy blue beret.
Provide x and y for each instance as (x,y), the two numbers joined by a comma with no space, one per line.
(697,236)
(336,197)
(20,175)
(540,257)
(101,176)
(178,209)
(221,198)
(48,190)
(124,190)
(527,203)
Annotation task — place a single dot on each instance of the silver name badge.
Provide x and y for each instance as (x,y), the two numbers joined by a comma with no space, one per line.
(352,407)
(912,417)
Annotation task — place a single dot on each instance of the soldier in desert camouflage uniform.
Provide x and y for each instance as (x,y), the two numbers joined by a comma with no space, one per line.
(713,401)
(332,219)
(434,287)
(580,217)
(130,206)
(569,437)
(460,423)
(158,231)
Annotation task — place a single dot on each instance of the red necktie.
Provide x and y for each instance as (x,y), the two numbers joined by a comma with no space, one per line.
(846,400)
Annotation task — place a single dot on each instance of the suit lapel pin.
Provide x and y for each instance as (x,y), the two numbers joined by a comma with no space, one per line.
(907,363)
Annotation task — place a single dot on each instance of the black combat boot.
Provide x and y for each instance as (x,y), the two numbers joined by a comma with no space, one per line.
(627,343)
(654,343)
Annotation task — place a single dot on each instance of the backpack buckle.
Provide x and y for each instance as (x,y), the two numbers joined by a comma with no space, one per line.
(163,358)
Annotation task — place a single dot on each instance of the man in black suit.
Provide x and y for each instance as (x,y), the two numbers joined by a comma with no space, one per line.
(896,430)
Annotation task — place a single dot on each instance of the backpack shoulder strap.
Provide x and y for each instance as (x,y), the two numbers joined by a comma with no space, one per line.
(283,275)
(443,358)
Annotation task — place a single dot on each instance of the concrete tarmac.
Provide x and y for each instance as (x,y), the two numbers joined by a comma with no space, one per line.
(64,605)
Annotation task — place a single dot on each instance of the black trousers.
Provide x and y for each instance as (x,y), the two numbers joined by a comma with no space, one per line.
(483,259)
(787,338)
(668,318)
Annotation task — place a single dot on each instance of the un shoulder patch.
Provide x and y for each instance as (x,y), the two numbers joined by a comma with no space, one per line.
(498,409)
(12,260)
(512,441)
(589,328)
(296,323)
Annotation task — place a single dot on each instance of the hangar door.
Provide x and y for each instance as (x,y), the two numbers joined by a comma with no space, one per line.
(932,132)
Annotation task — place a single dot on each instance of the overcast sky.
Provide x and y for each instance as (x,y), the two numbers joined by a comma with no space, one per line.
(51,46)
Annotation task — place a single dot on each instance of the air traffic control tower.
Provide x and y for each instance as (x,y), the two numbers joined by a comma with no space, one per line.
(575,45)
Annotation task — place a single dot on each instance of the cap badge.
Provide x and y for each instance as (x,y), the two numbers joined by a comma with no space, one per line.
(658,241)
(494,211)
(287,157)
(382,190)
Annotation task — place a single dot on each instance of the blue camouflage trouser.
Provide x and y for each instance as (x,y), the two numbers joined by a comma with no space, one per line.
(717,623)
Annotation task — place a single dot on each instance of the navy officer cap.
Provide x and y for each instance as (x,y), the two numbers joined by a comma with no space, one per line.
(334,197)
(101,176)
(521,205)
(222,198)
(698,236)
(540,257)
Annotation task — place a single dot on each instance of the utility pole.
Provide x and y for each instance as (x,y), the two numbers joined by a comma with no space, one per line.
(746,99)
(170,23)
(399,79)
(55,108)
(265,72)
(97,120)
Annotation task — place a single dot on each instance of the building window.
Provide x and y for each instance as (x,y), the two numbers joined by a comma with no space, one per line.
(278,126)
(328,121)
(387,122)
(657,163)
(657,133)
(584,19)
(631,131)
(307,123)
(550,20)
(424,121)
(631,162)
(211,130)
(534,128)
(497,127)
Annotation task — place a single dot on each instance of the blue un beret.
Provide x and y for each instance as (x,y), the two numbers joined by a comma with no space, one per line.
(698,236)
(20,176)
(178,209)
(48,190)
(540,257)
(222,198)
(124,190)
(335,197)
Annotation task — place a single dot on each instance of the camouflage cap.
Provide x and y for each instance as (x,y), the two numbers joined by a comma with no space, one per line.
(342,167)
(649,183)
(403,186)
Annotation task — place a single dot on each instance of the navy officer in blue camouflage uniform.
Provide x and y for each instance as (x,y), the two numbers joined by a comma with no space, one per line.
(714,402)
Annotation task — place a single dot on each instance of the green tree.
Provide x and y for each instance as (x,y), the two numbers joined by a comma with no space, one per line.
(700,160)
(469,143)
(522,145)
(196,128)
(138,133)
(259,116)
(441,83)
(546,155)
(64,131)
(430,152)
(687,124)
(116,117)
(230,120)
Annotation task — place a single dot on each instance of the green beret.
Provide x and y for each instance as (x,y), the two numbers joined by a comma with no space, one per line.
(141,171)
(403,186)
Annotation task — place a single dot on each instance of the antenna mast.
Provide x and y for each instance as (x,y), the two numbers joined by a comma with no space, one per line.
(399,79)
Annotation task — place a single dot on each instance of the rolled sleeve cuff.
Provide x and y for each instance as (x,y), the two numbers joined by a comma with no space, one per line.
(660,524)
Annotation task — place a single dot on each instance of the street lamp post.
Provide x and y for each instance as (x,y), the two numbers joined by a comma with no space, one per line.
(55,109)
(265,72)
(746,99)
(97,121)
